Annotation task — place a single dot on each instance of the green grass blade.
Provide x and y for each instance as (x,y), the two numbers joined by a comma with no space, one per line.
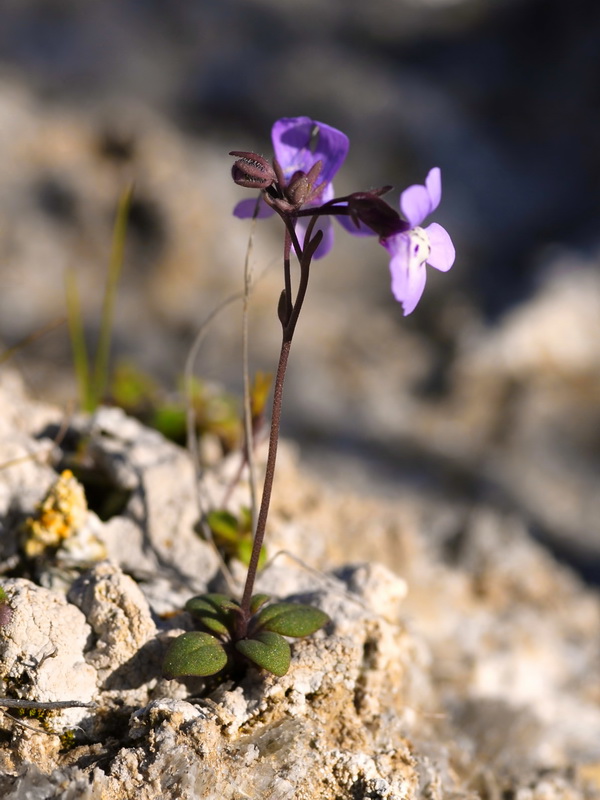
(77,337)
(100,378)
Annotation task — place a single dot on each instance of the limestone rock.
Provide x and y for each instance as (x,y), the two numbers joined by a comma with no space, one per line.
(42,651)
(155,535)
(118,614)
(459,657)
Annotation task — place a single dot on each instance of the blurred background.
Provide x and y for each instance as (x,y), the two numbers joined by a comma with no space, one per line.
(490,392)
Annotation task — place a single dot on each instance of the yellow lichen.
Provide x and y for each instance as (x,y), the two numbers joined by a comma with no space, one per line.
(58,516)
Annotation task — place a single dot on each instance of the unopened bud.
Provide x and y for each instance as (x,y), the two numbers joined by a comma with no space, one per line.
(314,172)
(252,171)
(301,187)
(283,311)
(298,189)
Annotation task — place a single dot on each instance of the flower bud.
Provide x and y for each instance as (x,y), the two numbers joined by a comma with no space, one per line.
(301,188)
(252,171)
(283,310)
(298,189)
(314,172)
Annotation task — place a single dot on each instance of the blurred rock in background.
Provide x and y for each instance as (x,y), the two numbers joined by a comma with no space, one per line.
(490,390)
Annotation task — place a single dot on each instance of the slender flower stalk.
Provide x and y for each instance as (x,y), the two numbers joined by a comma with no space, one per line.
(288,319)
(259,534)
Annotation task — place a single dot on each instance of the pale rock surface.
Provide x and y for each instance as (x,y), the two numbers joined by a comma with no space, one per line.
(155,537)
(118,614)
(467,665)
(41,651)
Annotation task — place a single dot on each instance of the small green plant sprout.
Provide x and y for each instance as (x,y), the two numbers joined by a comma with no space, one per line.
(297,187)
(92,380)
(232,534)
(219,644)
(259,394)
(216,412)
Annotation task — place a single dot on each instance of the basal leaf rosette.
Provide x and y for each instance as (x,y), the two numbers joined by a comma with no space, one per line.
(219,645)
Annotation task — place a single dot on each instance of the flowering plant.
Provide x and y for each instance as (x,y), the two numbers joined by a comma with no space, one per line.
(297,186)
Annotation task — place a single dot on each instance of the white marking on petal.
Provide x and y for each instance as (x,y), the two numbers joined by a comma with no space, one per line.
(419,247)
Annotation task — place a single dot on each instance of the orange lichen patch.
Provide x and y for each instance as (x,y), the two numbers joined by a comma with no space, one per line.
(59,515)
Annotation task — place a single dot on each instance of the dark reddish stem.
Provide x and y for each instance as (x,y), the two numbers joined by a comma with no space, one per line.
(267,487)
(288,325)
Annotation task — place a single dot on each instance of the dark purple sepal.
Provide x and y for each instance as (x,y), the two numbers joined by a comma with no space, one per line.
(369,209)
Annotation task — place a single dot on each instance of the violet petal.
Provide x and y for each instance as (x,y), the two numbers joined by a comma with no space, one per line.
(299,142)
(408,276)
(325,194)
(415,204)
(433,184)
(442,253)
(245,209)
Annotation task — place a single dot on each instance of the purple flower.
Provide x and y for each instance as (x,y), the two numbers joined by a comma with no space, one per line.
(299,143)
(411,250)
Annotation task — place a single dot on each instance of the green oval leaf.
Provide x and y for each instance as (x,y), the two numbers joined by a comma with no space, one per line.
(213,611)
(258,601)
(243,552)
(194,653)
(170,420)
(290,619)
(267,650)
(245,520)
(224,525)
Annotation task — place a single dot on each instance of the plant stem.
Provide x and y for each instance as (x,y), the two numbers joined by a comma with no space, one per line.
(287,244)
(289,326)
(248,456)
(268,485)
